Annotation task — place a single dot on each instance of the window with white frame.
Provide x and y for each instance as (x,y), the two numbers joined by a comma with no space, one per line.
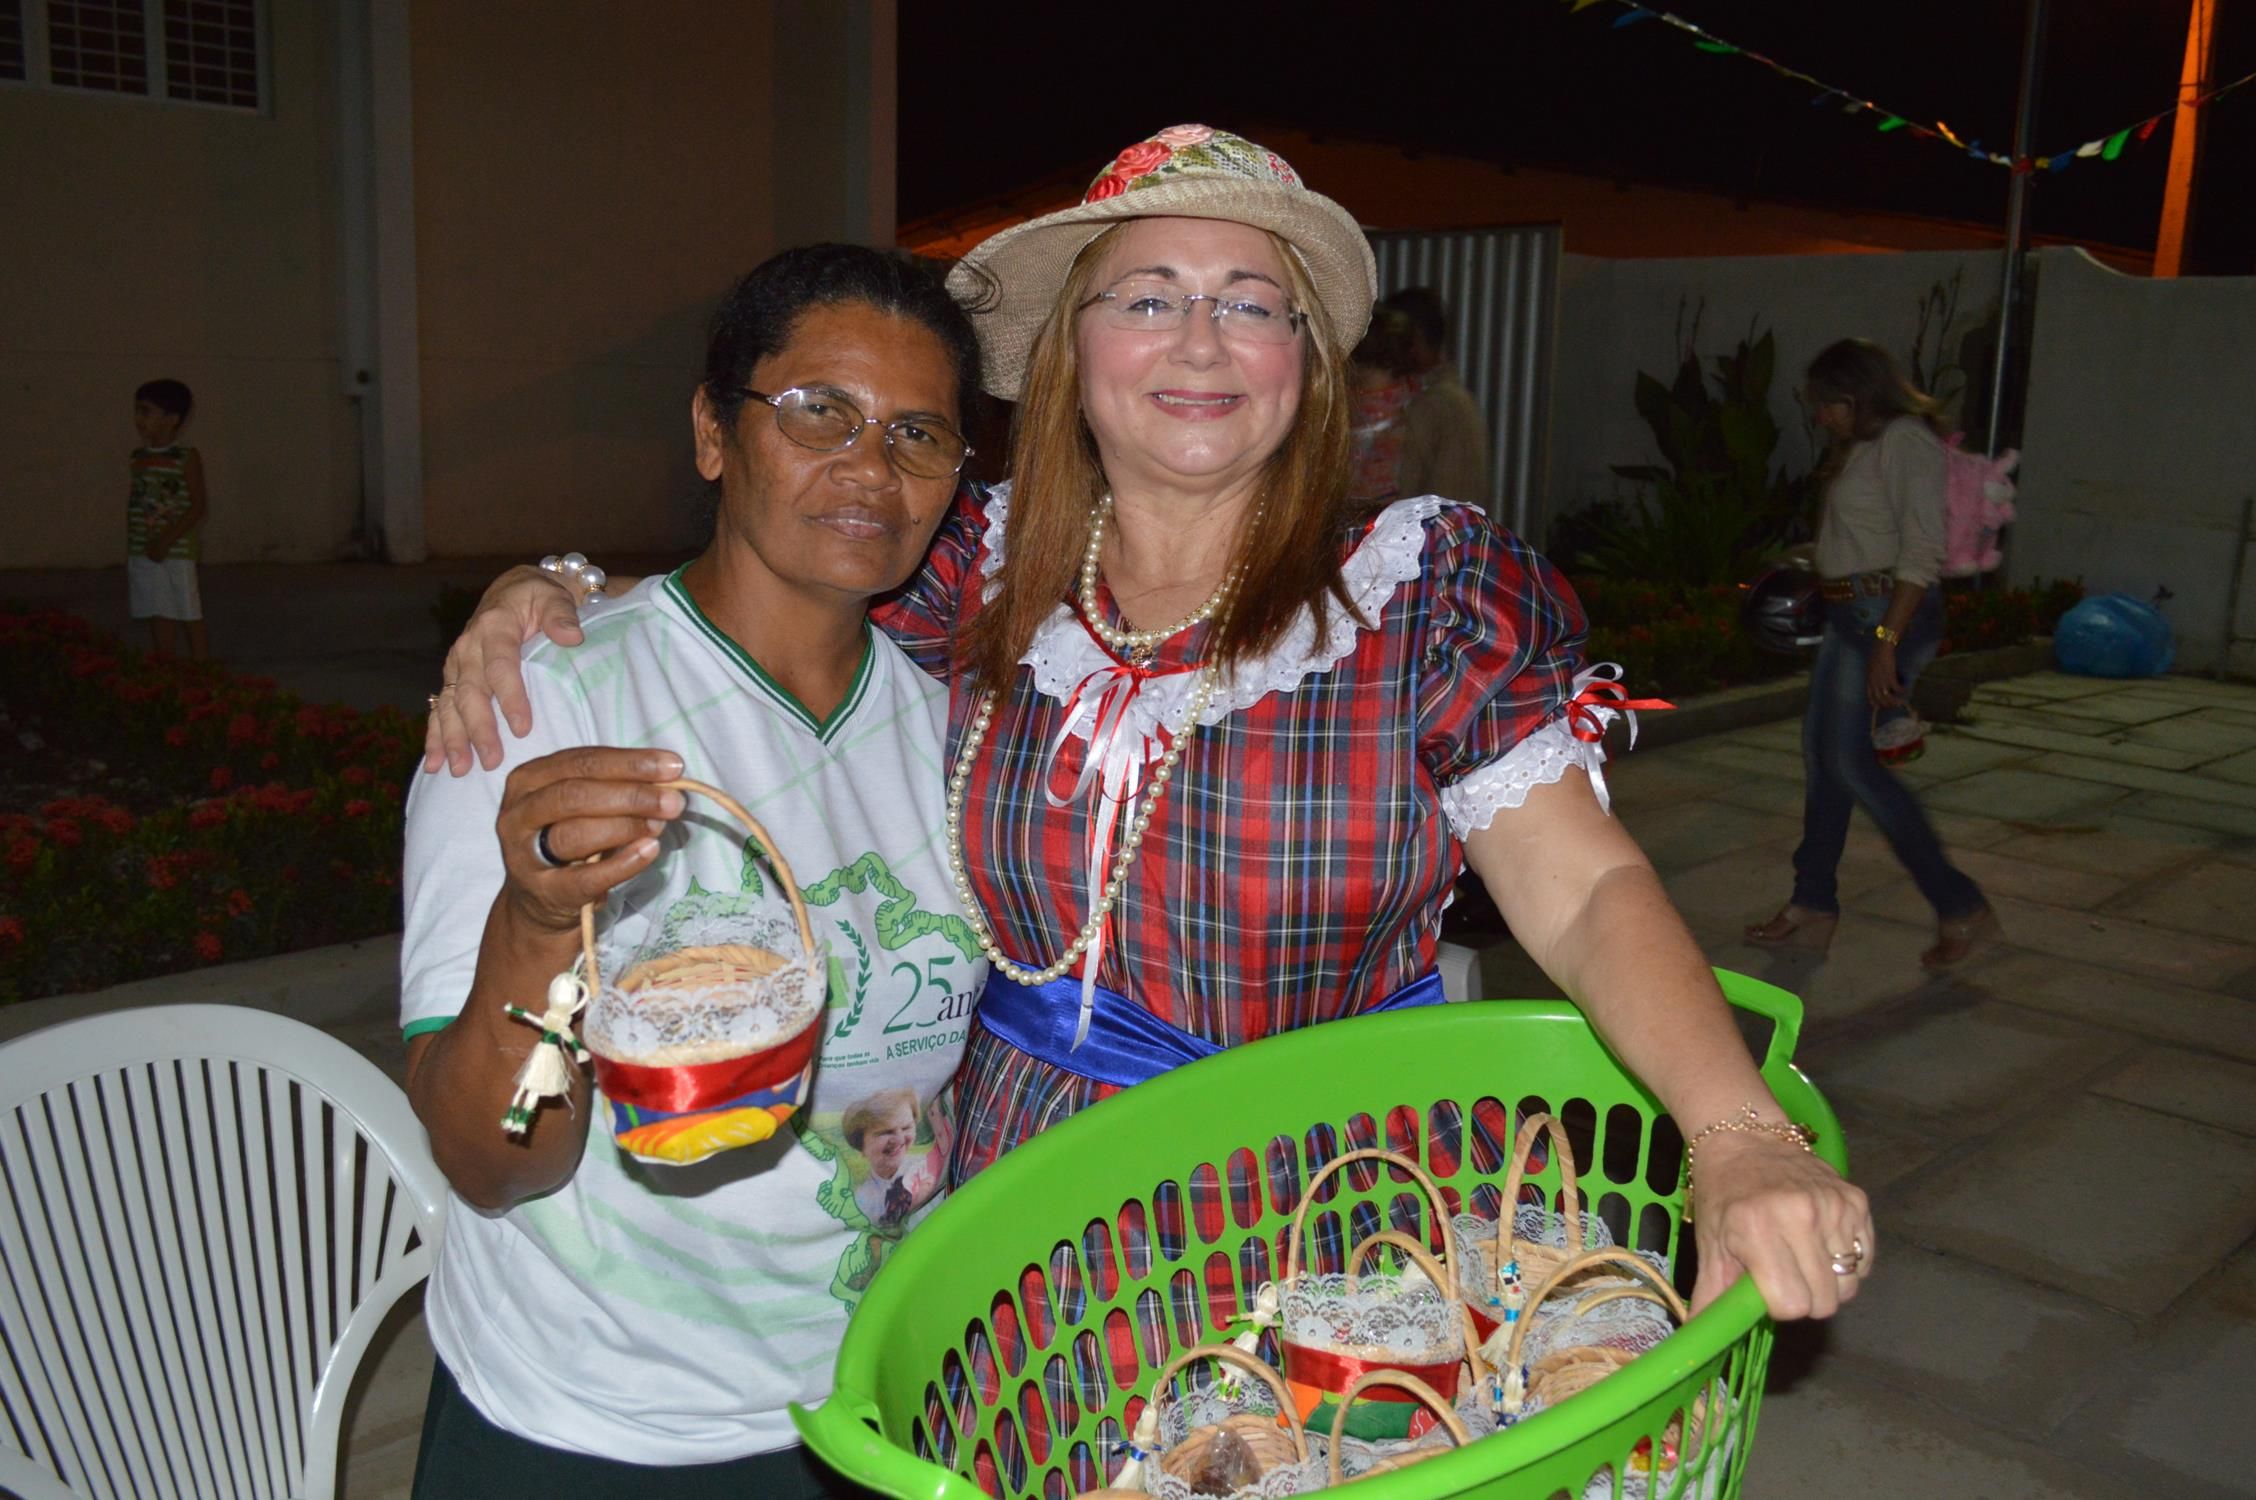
(187,51)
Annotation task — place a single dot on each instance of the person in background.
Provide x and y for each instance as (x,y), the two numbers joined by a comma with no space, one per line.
(1445,439)
(164,519)
(1880,546)
(1378,377)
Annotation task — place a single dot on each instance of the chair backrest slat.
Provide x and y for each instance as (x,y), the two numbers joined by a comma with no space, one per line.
(154,1228)
(201,1208)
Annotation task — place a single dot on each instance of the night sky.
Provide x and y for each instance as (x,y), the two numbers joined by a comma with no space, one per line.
(999,93)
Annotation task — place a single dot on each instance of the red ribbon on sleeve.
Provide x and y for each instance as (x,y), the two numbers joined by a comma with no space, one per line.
(1584,719)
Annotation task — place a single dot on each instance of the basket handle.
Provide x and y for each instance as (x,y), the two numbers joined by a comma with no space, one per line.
(1647,1293)
(1435,1205)
(1231,1354)
(1611,1255)
(1445,1282)
(773,855)
(1570,1197)
(1401,1380)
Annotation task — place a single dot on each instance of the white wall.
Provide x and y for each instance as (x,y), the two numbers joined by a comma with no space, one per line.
(589,178)
(2141,444)
(148,239)
(1617,317)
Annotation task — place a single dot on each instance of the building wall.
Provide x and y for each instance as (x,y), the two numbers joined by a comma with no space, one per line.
(2139,451)
(589,178)
(1618,317)
(147,239)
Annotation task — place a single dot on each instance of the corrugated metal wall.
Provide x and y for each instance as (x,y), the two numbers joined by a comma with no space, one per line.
(1502,290)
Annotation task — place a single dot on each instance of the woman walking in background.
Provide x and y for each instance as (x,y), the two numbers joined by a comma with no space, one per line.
(1880,546)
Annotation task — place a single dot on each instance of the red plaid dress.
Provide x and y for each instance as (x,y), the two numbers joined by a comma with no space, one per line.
(1297,865)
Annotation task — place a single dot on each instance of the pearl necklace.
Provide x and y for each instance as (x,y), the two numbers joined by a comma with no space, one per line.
(1114,883)
(1140,644)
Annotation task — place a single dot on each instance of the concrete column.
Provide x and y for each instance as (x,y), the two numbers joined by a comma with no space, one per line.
(381,352)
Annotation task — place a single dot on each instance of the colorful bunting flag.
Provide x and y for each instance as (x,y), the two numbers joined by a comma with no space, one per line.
(2105,148)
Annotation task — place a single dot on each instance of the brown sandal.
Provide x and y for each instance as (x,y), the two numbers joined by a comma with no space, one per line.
(1795,927)
(1958,939)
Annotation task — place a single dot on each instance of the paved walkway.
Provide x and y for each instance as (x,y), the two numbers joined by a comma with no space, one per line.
(2060,1138)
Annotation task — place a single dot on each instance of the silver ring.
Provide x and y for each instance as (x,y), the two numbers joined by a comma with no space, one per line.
(547,856)
(432,701)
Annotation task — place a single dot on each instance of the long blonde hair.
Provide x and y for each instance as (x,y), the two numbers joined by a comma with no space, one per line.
(1291,560)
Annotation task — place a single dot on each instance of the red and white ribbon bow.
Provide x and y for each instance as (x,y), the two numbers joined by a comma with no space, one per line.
(1111,780)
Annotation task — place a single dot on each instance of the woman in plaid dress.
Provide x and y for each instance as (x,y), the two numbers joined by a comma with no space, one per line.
(1217,752)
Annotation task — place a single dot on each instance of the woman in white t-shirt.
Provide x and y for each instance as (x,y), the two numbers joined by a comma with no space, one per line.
(1880,546)
(606,1326)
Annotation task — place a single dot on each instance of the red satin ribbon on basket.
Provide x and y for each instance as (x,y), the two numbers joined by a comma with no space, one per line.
(1331,1372)
(683,1090)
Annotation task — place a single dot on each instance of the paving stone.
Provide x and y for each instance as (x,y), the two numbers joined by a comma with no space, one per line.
(2041,716)
(383,1419)
(2036,880)
(1872,964)
(2113,844)
(1841,1438)
(1760,760)
(1765,793)
(1968,1070)
(2051,686)
(1985,1344)
(1955,753)
(1880,1155)
(2125,707)
(2016,792)
(1692,833)
(2100,1198)
(2105,939)
(2216,897)
(1640,780)
(2189,1085)
(2145,779)
(1748,885)
(2196,734)
(2024,734)
(2195,812)
(1779,734)
(2184,1396)
(2238,768)
(2149,1008)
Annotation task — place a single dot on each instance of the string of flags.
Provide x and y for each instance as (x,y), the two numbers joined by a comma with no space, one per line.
(2106,147)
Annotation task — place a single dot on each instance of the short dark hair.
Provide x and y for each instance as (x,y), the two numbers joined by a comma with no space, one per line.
(759,315)
(167,396)
(1428,315)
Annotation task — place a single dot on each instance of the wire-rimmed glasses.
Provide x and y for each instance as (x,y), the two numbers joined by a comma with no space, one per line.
(827,422)
(1255,314)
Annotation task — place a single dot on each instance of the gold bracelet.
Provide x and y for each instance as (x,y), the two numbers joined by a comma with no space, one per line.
(1748,1121)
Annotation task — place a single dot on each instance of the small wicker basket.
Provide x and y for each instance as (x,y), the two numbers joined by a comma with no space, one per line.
(675,1066)
(1277,1441)
(1575,1368)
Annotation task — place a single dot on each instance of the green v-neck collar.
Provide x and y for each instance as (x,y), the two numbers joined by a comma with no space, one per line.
(821,729)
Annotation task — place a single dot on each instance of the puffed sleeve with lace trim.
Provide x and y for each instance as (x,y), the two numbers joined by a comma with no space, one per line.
(1500,671)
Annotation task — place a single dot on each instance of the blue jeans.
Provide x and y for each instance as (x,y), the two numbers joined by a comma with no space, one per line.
(1844,772)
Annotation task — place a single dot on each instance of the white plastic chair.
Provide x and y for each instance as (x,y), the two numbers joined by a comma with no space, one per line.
(1460,971)
(205,1214)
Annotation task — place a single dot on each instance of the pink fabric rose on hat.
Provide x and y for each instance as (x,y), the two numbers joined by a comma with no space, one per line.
(1176,137)
(1144,156)
(1107,185)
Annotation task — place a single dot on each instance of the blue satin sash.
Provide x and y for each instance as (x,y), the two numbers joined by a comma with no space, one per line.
(1126,1044)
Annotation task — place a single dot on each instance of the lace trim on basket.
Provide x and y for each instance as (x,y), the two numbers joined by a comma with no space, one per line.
(1406,1317)
(1063,655)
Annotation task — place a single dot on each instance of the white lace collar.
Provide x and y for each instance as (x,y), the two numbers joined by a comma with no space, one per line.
(1064,655)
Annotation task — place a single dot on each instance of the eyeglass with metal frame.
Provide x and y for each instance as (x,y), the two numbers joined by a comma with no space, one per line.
(827,422)
(1156,307)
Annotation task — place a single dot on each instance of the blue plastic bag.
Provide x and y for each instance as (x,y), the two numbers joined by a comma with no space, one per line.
(2114,635)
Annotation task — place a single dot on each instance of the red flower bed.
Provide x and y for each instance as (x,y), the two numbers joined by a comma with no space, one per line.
(155,816)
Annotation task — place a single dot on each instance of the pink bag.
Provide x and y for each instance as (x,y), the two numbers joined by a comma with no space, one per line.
(1977,503)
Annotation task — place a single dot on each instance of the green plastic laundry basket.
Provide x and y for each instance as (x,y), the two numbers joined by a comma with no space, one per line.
(1010,1341)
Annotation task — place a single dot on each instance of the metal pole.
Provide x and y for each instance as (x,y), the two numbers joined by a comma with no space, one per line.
(2016,217)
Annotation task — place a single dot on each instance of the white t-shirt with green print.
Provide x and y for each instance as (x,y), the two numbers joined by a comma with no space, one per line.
(666,1314)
